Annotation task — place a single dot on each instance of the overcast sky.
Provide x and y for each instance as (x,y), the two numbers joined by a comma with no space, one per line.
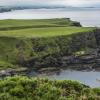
(52,2)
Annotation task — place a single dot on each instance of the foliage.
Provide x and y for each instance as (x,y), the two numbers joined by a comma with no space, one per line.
(4,65)
(24,88)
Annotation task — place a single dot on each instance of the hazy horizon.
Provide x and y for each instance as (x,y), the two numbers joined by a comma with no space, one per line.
(74,3)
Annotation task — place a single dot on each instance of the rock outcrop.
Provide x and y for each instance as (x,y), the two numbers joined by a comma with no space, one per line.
(81,49)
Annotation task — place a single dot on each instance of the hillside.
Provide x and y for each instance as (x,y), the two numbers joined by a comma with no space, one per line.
(44,42)
(36,23)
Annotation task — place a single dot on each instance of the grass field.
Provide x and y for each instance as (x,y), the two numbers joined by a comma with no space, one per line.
(39,28)
(43,32)
(36,23)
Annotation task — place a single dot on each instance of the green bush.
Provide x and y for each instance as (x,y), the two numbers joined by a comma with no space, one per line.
(24,88)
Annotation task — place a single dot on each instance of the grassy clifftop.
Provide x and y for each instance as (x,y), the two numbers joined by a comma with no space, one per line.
(38,42)
(39,28)
(21,24)
(43,32)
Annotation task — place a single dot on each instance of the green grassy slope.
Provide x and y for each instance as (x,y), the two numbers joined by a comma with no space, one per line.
(18,24)
(23,88)
(43,32)
(43,38)
(39,28)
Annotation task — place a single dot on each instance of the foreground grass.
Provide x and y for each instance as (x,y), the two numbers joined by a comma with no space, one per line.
(24,88)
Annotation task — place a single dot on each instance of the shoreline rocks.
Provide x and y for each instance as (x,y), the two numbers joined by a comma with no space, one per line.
(12,72)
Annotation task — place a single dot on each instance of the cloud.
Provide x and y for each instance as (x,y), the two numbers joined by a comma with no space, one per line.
(52,2)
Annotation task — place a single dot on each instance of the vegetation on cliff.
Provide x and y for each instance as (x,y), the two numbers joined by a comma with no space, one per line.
(41,42)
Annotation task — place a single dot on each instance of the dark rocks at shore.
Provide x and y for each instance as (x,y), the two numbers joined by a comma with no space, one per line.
(80,63)
(88,62)
(77,24)
(12,72)
(8,72)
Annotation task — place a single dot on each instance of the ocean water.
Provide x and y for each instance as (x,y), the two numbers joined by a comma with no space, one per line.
(85,17)
(89,78)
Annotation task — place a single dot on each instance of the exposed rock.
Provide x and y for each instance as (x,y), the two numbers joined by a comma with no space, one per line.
(12,72)
(8,72)
(77,24)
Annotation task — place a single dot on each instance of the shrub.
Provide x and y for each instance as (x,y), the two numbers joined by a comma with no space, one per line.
(24,88)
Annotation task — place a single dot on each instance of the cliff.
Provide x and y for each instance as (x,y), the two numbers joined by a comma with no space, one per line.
(50,47)
(48,51)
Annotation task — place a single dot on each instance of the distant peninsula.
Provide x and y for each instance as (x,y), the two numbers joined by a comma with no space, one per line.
(22,7)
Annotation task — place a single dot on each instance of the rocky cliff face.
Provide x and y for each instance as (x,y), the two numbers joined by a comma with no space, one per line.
(81,48)
(66,51)
(97,36)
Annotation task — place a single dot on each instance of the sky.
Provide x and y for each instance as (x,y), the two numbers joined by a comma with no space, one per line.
(75,3)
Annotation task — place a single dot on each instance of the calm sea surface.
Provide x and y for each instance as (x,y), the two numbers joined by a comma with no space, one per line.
(86,17)
(90,78)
